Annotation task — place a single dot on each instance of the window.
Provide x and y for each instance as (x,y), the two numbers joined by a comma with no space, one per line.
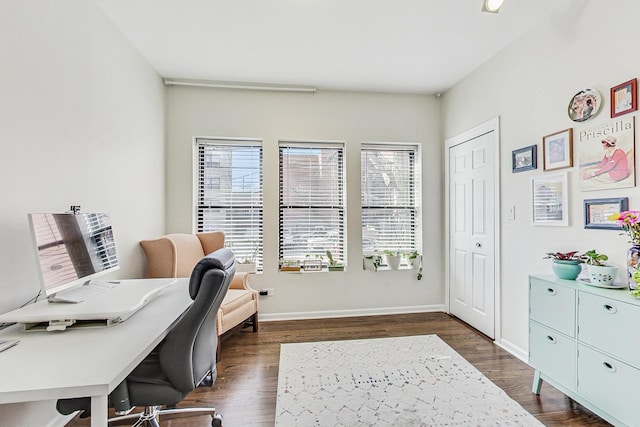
(311,200)
(229,194)
(389,202)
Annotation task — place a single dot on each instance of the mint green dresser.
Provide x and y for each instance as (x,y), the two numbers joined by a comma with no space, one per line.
(585,341)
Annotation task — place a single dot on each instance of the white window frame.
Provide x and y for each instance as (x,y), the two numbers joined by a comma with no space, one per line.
(245,248)
(339,250)
(414,206)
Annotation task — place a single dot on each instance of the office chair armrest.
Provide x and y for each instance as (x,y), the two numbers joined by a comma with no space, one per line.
(241,281)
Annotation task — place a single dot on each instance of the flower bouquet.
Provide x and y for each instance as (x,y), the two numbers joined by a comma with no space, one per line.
(630,223)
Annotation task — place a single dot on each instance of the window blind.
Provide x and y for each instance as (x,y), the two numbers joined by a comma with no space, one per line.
(230,194)
(388,197)
(311,200)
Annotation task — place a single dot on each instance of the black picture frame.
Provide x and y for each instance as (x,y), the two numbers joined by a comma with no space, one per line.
(596,212)
(524,159)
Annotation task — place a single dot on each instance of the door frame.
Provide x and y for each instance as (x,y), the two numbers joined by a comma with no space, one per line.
(492,125)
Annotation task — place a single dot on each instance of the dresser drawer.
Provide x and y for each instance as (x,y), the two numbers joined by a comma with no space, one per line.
(553,306)
(553,353)
(608,325)
(609,383)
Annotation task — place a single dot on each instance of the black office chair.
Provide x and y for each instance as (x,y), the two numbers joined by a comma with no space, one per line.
(185,358)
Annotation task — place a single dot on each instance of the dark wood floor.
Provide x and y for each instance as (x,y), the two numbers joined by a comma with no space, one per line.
(245,390)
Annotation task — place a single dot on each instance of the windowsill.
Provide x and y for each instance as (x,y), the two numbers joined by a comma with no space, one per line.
(402,268)
(324,270)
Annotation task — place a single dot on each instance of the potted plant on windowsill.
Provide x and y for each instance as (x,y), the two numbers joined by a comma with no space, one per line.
(333,264)
(393,259)
(600,273)
(415,260)
(289,265)
(312,264)
(566,265)
(371,261)
(248,264)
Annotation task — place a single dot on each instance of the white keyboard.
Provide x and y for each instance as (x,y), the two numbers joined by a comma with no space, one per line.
(82,293)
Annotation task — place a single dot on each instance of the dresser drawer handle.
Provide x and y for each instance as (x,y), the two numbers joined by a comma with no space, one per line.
(551,339)
(611,309)
(551,291)
(609,367)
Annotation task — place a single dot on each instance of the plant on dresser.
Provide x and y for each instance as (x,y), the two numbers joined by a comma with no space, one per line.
(566,265)
(600,273)
(579,343)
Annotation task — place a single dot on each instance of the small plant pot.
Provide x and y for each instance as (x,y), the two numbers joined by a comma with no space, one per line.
(336,268)
(370,262)
(393,261)
(567,270)
(290,268)
(246,267)
(414,263)
(602,275)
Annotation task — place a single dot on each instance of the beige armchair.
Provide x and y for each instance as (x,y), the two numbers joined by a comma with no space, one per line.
(175,255)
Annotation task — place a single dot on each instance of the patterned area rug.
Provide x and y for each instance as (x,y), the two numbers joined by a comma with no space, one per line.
(400,382)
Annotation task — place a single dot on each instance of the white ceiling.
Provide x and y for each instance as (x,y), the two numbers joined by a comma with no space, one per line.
(417,46)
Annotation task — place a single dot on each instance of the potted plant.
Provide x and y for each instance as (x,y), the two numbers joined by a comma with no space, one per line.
(600,273)
(312,264)
(289,265)
(393,259)
(371,262)
(333,264)
(414,260)
(248,264)
(566,265)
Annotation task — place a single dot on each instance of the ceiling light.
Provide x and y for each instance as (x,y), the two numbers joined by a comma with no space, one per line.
(492,6)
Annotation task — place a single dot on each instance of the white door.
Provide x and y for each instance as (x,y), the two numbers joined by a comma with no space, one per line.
(471,232)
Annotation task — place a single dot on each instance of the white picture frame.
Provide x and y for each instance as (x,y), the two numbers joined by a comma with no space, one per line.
(549,200)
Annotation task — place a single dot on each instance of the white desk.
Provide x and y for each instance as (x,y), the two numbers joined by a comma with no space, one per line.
(87,361)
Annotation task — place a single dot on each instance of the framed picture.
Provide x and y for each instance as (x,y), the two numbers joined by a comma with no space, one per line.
(557,150)
(624,98)
(597,212)
(606,155)
(584,105)
(550,200)
(524,159)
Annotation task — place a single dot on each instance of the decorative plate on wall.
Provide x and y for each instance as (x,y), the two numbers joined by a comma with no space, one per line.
(584,105)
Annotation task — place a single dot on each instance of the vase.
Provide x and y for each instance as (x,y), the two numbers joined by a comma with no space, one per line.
(633,256)
(246,267)
(567,270)
(602,275)
(393,261)
(414,262)
(370,262)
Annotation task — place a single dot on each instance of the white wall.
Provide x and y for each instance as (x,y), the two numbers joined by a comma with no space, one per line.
(81,122)
(529,85)
(325,115)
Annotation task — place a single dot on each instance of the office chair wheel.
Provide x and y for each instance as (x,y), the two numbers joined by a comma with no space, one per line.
(216,421)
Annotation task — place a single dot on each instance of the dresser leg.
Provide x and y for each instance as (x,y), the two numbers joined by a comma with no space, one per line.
(537,382)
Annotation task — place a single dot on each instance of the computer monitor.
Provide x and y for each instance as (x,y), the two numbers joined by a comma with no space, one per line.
(72,249)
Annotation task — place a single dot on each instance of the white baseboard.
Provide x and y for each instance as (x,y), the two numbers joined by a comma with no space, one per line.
(272,317)
(513,349)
